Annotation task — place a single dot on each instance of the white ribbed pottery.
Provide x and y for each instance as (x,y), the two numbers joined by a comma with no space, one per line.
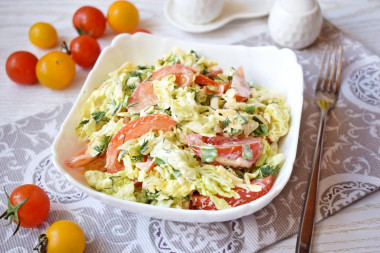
(199,11)
(295,23)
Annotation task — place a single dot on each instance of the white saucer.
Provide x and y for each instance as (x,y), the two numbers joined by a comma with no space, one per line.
(233,9)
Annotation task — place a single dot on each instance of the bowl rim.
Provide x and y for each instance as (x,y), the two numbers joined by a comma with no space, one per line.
(155,211)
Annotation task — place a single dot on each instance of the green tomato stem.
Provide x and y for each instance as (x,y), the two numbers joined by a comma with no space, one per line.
(11,212)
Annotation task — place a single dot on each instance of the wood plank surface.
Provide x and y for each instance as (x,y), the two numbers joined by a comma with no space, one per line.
(355,229)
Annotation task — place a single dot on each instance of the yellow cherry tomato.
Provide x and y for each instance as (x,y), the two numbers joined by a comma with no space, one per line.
(123,16)
(62,237)
(43,35)
(55,70)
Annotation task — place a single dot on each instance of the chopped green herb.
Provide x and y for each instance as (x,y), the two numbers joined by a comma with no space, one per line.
(167,111)
(143,147)
(250,109)
(229,78)
(196,96)
(101,148)
(152,195)
(266,170)
(174,60)
(194,53)
(135,74)
(261,130)
(132,105)
(208,153)
(113,182)
(137,158)
(130,88)
(116,109)
(247,151)
(225,122)
(176,173)
(141,196)
(187,198)
(82,123)
(126,101)
(243,118)
(257,119)
(205,71)
(159,162)
(135,116)
(99,116)
(142,67)
(234,131)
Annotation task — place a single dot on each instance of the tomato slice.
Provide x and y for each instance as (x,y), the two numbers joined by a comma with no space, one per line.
(204,202)
(142,97)
(133,130)
(80,159)
(207,82)
(204,80)
(243,92)
(184,75)
(214,73)
(223,87)
(230,149)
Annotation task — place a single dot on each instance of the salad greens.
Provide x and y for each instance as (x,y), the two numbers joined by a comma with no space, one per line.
(161,167)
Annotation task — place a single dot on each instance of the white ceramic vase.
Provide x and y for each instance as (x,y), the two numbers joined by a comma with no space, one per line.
(295,23)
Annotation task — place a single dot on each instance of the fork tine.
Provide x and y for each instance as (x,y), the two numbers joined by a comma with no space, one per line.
(332,71)
(327,70)
(337,79)
(318,84)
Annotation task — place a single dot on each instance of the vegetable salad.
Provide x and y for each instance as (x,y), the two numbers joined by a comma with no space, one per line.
(182,133)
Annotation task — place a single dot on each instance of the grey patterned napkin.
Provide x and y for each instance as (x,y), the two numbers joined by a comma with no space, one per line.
(350,170)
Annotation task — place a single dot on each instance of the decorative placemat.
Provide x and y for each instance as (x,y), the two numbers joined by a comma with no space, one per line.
(350,170)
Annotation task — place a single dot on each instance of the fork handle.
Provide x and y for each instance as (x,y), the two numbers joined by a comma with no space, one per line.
(309,209)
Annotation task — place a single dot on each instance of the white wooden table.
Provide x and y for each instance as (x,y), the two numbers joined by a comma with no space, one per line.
(355,229)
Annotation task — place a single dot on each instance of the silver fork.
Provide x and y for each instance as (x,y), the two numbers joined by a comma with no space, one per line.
(327,89)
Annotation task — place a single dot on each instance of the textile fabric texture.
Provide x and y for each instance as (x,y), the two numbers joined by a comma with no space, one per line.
(349,170)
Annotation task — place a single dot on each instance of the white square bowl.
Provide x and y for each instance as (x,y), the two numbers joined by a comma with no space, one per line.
(269,67)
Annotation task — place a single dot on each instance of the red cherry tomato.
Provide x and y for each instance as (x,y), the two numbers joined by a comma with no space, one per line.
(89,20)
(132,130)
(85,50)
(33,211)
(140,31)
(21,67)
(205,203)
